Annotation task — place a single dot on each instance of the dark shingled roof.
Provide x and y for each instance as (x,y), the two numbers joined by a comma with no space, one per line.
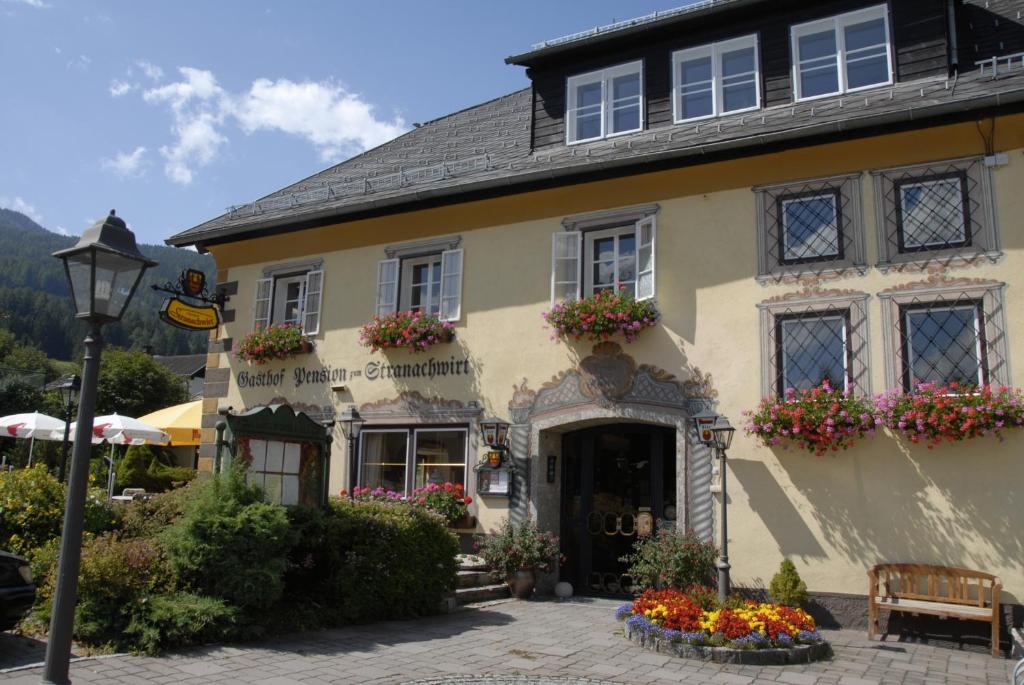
(185,365)
(488,148)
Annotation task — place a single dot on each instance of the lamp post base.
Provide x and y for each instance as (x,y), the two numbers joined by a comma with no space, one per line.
(724,584)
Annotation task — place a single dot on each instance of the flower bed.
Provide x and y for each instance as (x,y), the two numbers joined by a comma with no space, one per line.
(818,420)
(935,413)
(273,342)
(413,330)
(447,499)
(689,624)
(601,316)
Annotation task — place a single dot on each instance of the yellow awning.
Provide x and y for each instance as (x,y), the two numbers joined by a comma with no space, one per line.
(182,422)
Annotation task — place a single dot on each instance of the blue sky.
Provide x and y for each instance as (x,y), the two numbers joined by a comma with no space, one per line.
(172,111)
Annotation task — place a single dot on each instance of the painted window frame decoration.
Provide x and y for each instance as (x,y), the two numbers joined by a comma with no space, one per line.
(838,26)
(410,468)
(984,298)
(394,277)
(716,84)
(605,111)
(849,307)
(772,203)
(267,299)
(980,237)
(572,252)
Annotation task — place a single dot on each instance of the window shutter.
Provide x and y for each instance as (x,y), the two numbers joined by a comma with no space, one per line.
(311,306)
(645,230)
(451,285)
(566,249)
(387,286)
(261,303)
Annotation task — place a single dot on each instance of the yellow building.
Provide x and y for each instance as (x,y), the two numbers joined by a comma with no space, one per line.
(828,191)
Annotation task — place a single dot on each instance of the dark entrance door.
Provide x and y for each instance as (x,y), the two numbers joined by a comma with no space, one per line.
(612,474)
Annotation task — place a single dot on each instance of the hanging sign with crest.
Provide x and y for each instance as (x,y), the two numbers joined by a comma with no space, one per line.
(179,312)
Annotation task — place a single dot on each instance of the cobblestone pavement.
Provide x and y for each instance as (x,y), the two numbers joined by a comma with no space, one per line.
(513,643)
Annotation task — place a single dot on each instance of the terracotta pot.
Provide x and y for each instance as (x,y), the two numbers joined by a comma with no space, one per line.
(466,521)
(305,347)
(522,584)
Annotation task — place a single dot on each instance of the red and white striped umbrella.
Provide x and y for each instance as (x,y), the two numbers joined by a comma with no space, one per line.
(124,430)
(32,426)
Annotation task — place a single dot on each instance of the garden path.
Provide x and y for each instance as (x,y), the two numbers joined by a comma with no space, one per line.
(557,643)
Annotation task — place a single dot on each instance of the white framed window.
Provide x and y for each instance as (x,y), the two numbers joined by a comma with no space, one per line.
(275,468)
(605,103)
(431,283)
(933,213)
(943,343)
(842,54)
(715,79)
(401,459)
(293,299)
(812,349)
(620,257)
(811,227)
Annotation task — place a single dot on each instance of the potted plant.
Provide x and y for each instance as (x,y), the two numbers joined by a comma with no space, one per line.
(602,315)
(517,552)
(277,341)
(414,330)
(447,499)
(819,420)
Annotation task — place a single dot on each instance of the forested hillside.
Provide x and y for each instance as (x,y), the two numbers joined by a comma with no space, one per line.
(35,305)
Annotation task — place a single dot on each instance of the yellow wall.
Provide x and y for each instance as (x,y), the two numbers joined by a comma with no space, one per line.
(834,516)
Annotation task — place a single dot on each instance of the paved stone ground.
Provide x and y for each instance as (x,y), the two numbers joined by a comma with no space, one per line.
(541,642)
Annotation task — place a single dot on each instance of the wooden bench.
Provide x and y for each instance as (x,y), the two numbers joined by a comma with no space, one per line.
(936,591)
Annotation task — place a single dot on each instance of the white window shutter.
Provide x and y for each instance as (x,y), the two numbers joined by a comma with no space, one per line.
(645,234)
(261,303)
(451,285)
(387,286)
(311,305)
(566,249)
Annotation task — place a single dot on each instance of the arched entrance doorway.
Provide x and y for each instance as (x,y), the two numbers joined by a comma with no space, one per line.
(618,484)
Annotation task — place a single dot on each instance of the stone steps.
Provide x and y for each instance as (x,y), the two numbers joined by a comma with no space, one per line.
(481,593)
(466,579)
(475,583)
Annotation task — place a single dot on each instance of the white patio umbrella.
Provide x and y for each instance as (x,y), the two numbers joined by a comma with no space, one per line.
(123,430)
(32,426)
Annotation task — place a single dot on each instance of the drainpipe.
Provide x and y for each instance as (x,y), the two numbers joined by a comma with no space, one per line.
(954,46)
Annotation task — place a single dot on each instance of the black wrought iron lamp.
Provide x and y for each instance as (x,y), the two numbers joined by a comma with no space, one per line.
(351,426)
(103,269)
(68,386)
(494,474)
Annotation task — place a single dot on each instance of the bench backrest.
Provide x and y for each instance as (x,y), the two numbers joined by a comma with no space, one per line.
(934,583)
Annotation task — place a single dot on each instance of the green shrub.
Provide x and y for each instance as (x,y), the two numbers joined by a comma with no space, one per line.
(230,544)
(179,619)
(671,559)
(518,547)
(371,561)
(145,466)
(32,510)
(786,587)
(149,517)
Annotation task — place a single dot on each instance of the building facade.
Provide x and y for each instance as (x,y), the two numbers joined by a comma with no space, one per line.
(809,192)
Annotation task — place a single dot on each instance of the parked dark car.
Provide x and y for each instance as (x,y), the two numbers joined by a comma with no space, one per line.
(17,593)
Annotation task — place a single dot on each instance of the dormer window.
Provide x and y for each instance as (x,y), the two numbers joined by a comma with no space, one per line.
(716,79)
(605,103)
(842,54)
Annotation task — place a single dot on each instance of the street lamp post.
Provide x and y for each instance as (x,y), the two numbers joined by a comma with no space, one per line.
(69,387)
(351,425)
(716,432)
(103,270)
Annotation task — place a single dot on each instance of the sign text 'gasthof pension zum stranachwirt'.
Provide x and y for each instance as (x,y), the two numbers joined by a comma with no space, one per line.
(328,375)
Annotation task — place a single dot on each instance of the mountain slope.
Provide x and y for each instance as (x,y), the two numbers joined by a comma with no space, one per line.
(35,304)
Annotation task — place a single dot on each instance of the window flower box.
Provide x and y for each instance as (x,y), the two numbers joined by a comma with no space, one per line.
(934,413)
(273,343)
(413,330)
(818,420)
(600,316)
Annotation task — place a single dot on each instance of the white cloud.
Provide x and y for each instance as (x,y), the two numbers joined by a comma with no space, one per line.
(19,205)
(336,122)
(81,63)
(126,163)
(118,88)
(38,4)
(152,71)
(63,231)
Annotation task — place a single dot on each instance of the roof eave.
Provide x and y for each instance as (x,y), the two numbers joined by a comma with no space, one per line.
(907,114)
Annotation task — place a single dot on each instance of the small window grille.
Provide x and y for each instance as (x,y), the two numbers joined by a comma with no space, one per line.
(814,337)
(811,227)
(934,213)
(944,333)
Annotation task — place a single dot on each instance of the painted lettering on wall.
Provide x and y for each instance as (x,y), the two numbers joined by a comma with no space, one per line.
(327,374)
